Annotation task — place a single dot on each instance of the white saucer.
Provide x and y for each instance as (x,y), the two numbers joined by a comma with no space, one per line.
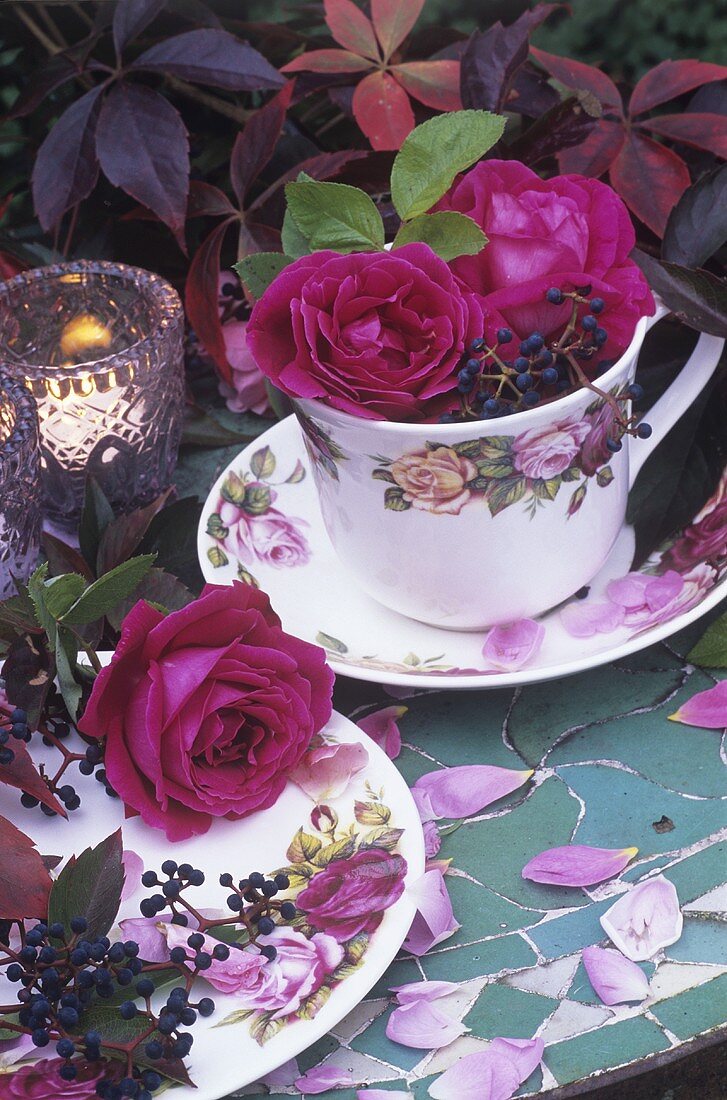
(288,553)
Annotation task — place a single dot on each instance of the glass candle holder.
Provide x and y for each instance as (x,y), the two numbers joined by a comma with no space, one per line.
(20,492)
(100,347)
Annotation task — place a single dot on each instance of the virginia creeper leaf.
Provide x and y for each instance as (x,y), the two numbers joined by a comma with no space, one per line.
(254,147)
(211,56)
(671,79)
(433,83)
(393,20)
(350,27)
(327,61)
(700,129)
(595,155)
(24,881)
(90,886)
(492,58)
(130,19)
(23,774)
(697,225)
(200,298)
(383,111)
(650,179)
(574,74)
(66,168)
(696,297)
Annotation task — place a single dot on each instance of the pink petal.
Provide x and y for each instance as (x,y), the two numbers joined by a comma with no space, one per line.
(147,933)
(284,1075)
(615,979)
(583,619)
(486,1075)
(525,1054)
(467,789)
(423,991)
(133,866)
(14,1050)
(381,726)
(432,839)
(434,920)
(577,865)
(327,768)
(321,1078)
(423,803)
(645,919)
(512,645)
(422,1025)
(638,590)
(707,709)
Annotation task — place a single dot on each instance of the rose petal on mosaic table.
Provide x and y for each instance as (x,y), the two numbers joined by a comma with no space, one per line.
(616,979)
(469,788)
(284,1075)
(423,1025)
(645,919)
(707,709)
(381,726)
(577,865)
(525,1054)
(432,839)
(583,619)
(512,645)
(488,1075)
(423,991)
(327,767)
(434,920)
(321,1078)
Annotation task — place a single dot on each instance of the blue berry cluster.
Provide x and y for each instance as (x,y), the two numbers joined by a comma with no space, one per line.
(15,726)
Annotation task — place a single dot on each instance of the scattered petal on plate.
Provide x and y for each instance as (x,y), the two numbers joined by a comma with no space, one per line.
(133,866)
(328,767)
(432,839)
(637,590)
(321,1078)
(482,1076)
(512,645)
(645,919)
(583,619)
(467,789)
(525,1054)
(707,709)
(284,1075)
(434,920)
(577,865)
(423,991)
(615,979)
(382,727)
(423,1025)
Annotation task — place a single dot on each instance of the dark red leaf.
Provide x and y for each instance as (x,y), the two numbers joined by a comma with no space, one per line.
(10,265)
(130,18)
(66,168)
(24,879)
(703,131)
(63,558)
(327,61)
(143,148)
(201,298)
(271,206)
(351,28)
(492,58)
(393,20)
(44,80)
(530,93)
(574,74)
(670,79)
(22,774)
(196,12)
(211,56)
(206,199)
(695,296)
(595,155)
(697,225)
(383,111)
(562,127)
(650,179)
(433,83)
(254,147)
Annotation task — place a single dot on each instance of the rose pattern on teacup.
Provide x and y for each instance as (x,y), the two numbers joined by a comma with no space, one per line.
(247,527)
(502,470)
(321,448)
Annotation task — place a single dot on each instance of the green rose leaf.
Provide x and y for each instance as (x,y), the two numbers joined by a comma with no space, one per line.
(371,813)
(495,467)
(90,886)
(381,474)
(246,576)
(335,215)
(571,474)
(66,651)
(447,232)
(265,1027)
(258,270)
(339,849)
(546,489)
(711,649)
(262,462)
(435,152)
(216,528)
(103,595)
(297,475)
(604,476)
(294,243)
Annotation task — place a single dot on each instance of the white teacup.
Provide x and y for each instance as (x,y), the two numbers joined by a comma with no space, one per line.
(468,525)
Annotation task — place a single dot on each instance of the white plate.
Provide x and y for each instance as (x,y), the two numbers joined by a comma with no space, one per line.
(227,1058)
(289,554)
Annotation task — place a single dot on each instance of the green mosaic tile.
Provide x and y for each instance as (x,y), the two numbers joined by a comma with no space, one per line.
(495,851)
(317,1052)
(401,972)
(655,659)
(474,723)
(482,913)
(374,1041)
(607,1047)
(533,1084)
(507,953)
(582,990)
(412,766)
(696,1010)
(703,941)
(700,872)
(500,1010)
(569,933)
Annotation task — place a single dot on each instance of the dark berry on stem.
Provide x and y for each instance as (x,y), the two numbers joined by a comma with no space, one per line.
(614,445)
(644,430)
(549,376)
(178,955)
(265,926)
(221,952)
(477,345)
(597,305)
(504,336)
(268,951)
(287,909)
(169,867)
(145,987)
(153,1050)
(206,1006)
(226,879)
(555,296)
(521,364)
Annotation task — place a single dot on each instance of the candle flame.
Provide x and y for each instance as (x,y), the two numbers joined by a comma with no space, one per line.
(82,333)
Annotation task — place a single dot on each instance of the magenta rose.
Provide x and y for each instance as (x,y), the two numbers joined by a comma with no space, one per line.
(246,392)
(42,1081)
(548,451)
(207,709)
(564,232)
(379,335)
(700,541)
(350,895)
(595,453)
(271,538)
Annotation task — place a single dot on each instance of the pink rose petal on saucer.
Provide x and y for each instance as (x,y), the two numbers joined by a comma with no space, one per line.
(707,709)
(432,839)
(133,866)
(434,920)
(381,726)
(615,979)
(147,933)
(577,865)
(638,590)
(645,919)
(423,991)
(512,645)
(467,789)
(583,619)
(525,1054)
(423,1025)
(321,1078)
(482,1076)
(327,767)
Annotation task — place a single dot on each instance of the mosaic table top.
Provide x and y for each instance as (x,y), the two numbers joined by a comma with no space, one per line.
(611,771)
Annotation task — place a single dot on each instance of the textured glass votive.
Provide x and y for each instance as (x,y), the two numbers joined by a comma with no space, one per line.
(20,492)
(99,346)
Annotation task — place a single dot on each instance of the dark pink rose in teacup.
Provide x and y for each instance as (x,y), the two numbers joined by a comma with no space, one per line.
(350,895)
(377,334)
(207,709)
(562,233)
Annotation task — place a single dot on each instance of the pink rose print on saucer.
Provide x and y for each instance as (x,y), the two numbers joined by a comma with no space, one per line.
(350,895)
(42,1081)
(705,539)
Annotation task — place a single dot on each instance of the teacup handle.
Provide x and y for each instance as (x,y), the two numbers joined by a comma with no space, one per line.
(689,383)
